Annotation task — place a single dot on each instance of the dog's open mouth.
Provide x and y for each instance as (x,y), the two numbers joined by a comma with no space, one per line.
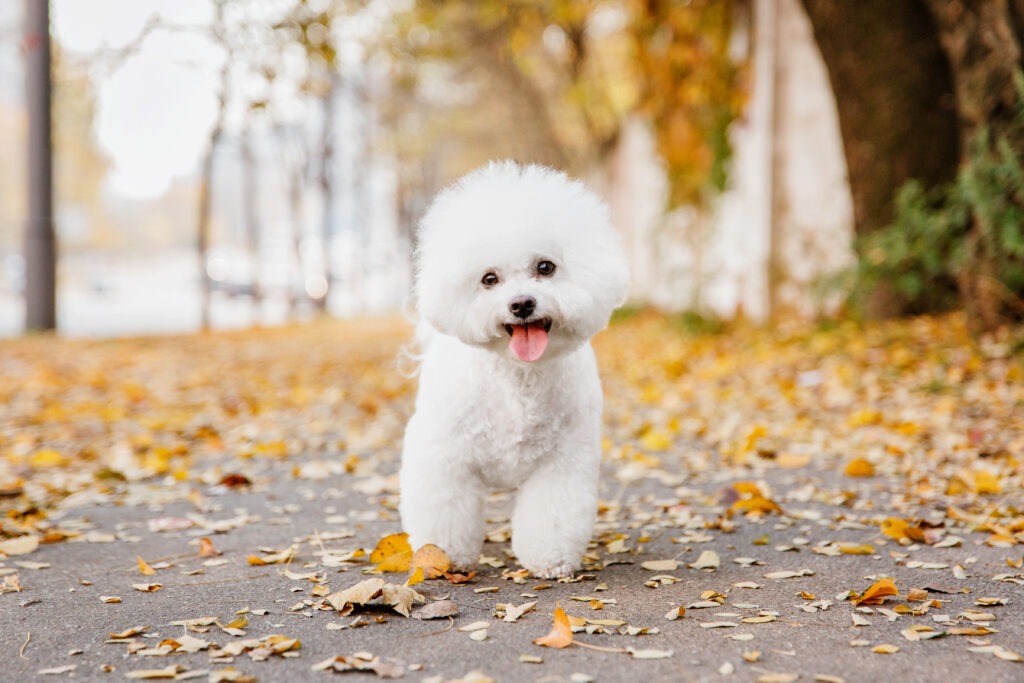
(529,339)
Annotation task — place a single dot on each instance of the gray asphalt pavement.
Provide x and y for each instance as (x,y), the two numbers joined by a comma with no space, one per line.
(799,626)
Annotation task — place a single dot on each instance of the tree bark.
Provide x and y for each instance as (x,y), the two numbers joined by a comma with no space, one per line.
(897,110)
(40,241)
(982,40)
(894,92)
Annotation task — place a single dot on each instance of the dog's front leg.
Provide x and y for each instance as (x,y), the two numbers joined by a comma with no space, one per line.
(441,504)
(555,512)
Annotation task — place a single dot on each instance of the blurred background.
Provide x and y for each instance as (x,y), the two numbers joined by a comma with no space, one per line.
(228,163)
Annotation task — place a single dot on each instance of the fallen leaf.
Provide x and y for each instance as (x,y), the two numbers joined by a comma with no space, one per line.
(660,565)
(144,567)
(876,593)
(649,654)
(561,633)
(708,560)
(432,560)
(437,610)
(22,545)
(859,467)
(392,554)
(206,548)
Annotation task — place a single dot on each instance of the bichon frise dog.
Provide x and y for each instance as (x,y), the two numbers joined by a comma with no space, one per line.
(517,267)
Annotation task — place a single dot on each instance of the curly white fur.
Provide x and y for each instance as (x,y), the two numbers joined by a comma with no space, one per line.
(485,418)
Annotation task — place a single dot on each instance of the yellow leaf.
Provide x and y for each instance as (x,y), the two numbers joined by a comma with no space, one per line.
(432,561)
(893,527)
(393,553)
(876,594)
(757,504)
(885,649)
(854,549)
(47,457)
(415,577)
(859,467)
(144,567)
(986,483)
(654,440)
(561,633)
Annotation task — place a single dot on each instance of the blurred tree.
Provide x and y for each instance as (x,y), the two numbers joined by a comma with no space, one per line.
(917,84)
(553,82)
(79,165)
(314,27)
(691,89)
(40,242)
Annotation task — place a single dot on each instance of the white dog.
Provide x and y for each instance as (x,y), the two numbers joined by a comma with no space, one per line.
(517,268)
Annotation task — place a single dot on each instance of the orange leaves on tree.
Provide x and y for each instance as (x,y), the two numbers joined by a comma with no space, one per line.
(392,554)
(561,632)
(876,593)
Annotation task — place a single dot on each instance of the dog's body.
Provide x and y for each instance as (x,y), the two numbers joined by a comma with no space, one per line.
(516,269)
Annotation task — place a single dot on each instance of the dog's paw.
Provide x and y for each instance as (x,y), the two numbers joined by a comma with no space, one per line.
(557,572)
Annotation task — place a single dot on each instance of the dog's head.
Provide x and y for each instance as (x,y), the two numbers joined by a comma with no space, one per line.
(521,260)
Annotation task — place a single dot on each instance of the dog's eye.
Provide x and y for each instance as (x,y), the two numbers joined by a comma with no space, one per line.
(545,269)
(489,279)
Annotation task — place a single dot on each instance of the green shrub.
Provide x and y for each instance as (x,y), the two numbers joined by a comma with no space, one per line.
(961,244)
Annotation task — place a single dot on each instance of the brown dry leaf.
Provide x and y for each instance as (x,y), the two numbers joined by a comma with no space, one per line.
(22,545)
(392,554)
(57,670)
(648,654)
(147,587)
(513,612)
(169,672)
(859,467)
(876,593)
(438,610)
(206,548)
(360,594)
(400,598)
(708,560)
(660,565)
(283,557)
(360,662)
(561,633)
(432,560)
(917,595)
(459,578)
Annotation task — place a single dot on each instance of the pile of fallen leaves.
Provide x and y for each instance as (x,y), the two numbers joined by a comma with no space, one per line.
(918,409)
(916,399)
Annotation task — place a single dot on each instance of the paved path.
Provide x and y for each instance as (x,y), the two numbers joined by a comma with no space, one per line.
(59,618)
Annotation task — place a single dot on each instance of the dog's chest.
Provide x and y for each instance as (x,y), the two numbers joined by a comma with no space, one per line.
(509,431)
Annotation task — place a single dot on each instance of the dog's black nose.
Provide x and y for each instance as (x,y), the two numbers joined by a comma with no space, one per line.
(522,306)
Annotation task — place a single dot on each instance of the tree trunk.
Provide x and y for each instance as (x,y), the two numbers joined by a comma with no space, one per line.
(894,94)
(982,40)
(327,182)
(40,242)
(251,218)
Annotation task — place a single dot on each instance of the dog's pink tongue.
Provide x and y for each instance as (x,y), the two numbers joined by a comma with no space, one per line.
(529,341)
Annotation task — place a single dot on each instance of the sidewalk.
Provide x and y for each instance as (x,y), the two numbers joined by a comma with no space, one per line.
(762,551)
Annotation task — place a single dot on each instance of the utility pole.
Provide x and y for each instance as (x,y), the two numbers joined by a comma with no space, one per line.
(40,244)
